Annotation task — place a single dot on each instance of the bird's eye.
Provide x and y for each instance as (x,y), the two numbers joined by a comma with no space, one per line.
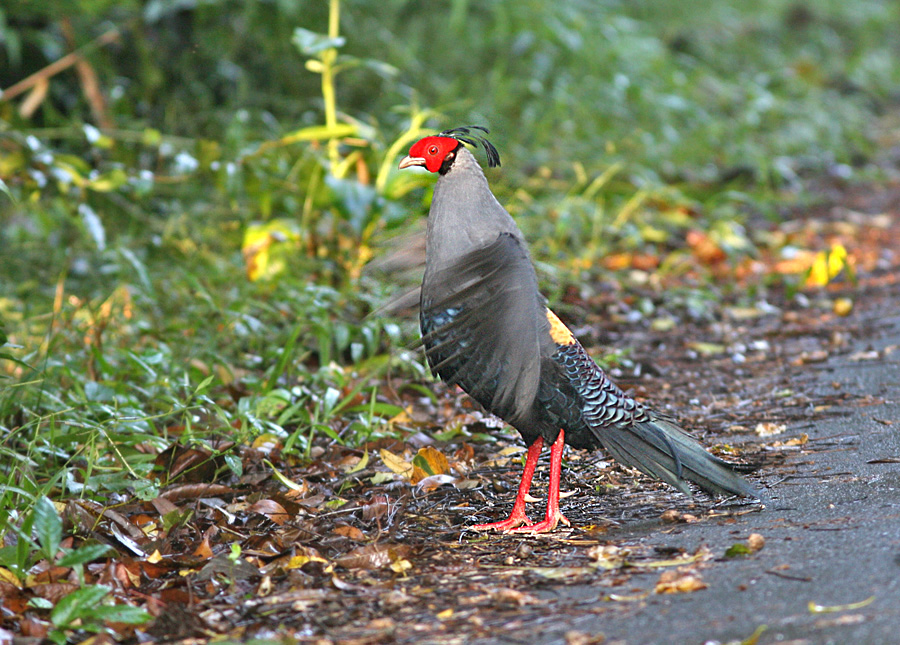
(433,150)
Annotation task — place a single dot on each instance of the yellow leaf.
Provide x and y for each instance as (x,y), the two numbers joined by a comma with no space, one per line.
(308,555)
(320,133)
(284,480)
(266,247)
(396,463)
(151,137)
(313,133)
(7,576)
(707,349)
(797,441)
(843,306)
(380,478)
(624,598)
(837,259)
(362,463)
(266,442)
(769,428)
(401,565)
(827,266)
(402,417)
(109,181)
(822,609)
(818,272)
(427,462)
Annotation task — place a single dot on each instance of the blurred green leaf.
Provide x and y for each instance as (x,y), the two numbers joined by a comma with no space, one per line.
(110,181)
(84,554)
(320,133)
(310,43)
(93,224)
(5,190)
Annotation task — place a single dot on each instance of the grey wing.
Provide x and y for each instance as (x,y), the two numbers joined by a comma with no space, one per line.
(484,326)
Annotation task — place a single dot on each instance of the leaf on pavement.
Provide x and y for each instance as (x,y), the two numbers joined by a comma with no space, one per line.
(815,608)
(769,428)
(678,581)
(737,549)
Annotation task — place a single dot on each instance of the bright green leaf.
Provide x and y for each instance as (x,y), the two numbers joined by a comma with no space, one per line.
(47,526)
(234,463)
(121,614)
(737,549)
(78,604)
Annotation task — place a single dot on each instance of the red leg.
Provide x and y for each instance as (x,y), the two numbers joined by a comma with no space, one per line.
(518,517)
(554,516)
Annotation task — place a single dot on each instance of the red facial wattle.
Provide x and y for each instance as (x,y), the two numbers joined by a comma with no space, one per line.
(430,152)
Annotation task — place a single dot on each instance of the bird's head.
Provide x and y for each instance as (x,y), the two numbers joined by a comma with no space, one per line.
(437,153)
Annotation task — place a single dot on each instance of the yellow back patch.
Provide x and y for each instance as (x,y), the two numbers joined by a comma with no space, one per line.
(558,331)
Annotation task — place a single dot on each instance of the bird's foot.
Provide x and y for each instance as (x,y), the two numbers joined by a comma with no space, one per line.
(549,524)
(504,526)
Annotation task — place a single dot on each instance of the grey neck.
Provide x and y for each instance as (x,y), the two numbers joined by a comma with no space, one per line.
(464,214)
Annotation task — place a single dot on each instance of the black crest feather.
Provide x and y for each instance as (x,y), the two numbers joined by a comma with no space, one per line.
(465,134)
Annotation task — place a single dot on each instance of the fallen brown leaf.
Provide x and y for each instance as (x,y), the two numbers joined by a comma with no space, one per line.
(350,532)
(271,509)
(373,556)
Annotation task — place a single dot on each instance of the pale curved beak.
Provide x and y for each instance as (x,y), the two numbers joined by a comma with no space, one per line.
(408,162)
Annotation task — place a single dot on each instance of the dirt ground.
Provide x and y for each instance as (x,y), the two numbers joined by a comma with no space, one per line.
(807,386)
(807,389)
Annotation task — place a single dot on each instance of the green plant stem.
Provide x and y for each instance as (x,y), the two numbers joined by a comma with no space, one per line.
(415,130)
(328,58)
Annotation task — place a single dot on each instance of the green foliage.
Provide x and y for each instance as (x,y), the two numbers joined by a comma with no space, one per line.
(83,609)
(45,525)
(39,537)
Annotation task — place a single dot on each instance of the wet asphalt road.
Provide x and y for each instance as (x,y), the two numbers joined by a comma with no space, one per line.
(832,534)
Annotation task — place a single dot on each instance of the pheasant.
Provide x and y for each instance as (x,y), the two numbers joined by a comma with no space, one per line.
(486,327)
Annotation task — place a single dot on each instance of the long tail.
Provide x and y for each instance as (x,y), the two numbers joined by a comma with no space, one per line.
(661,449)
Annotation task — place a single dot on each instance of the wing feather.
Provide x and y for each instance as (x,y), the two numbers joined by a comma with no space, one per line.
(483,326)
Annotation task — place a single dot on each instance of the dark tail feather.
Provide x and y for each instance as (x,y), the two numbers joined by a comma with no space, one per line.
(661,449)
